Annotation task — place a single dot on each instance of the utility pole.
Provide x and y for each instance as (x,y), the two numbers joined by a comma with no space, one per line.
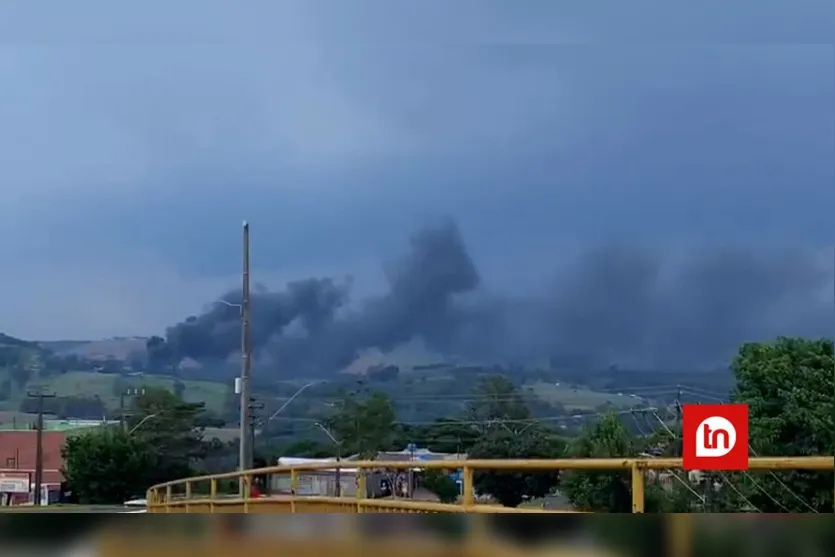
(244,458)
(39,446)
(253,422)
(678,405)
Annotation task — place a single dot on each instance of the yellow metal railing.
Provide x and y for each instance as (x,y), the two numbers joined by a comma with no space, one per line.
(186,495)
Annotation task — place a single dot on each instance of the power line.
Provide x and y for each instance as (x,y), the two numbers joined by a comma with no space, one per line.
(787,488)
(451,421)
(709,480)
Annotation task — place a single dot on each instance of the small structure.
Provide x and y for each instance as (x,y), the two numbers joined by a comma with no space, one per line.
(315,482)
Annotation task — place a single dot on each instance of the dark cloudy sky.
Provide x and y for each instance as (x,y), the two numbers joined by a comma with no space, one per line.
(134,140)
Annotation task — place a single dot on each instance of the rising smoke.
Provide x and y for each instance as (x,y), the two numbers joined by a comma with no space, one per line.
(613,305)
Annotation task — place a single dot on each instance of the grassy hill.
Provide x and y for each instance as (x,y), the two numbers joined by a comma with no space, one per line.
(120,348)
(107,386)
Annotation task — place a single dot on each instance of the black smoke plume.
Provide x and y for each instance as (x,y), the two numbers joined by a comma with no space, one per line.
(612,306)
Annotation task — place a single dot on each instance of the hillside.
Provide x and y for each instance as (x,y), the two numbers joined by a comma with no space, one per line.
(120,348)
(23,354)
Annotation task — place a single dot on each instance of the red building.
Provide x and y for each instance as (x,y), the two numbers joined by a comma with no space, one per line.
(18,450)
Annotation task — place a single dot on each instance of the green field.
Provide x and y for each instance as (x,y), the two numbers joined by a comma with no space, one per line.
(91,384)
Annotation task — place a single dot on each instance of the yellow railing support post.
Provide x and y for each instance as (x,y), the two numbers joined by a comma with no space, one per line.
(637,488)
(168,498)
(469,489)
(294,488)
(247,483)
(361,488)
(188,495)
(212,494)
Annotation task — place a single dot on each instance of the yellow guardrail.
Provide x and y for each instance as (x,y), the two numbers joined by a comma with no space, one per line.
(190,495)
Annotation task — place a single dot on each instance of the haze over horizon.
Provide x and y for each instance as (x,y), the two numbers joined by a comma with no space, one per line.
(694,175)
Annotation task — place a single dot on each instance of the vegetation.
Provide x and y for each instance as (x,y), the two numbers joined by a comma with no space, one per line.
(788,386)
(107,466)
(485,412)
(161,440)
(442,485)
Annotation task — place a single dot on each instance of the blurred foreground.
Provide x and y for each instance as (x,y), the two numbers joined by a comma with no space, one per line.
(419,535)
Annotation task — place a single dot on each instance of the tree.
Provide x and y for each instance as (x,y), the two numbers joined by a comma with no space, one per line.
(508,432)
(611,492)
(442,485)
(444,435)
(495,398)
(601,491)
(512,488)
(788,385)
(171,428)
(364,425)
(106,466)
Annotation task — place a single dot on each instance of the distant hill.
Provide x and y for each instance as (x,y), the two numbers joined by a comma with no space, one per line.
(18,351)
(59,346)
(119,348)
(10,341)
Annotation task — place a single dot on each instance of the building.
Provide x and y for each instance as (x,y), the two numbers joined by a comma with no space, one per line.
(18,454)
(19,446)
(314,482)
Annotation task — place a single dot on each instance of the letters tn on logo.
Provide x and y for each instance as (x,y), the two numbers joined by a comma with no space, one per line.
(715,437)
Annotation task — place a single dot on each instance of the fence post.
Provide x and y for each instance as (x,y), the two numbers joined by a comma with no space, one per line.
(361,488)
(294,488)
(212,494)
(188,495)
(168,498)
(469,490)
(637,487)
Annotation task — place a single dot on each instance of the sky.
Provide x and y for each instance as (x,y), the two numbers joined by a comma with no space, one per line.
(135,139)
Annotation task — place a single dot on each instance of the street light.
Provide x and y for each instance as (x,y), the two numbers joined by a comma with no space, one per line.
(230,304)
(142,421)
(291,399)
(338,475)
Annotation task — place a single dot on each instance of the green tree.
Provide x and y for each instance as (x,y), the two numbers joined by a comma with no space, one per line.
(107,466)
(509,432)
(444,435)
(442,485)
(496,398)
(789,387)
(171,428)
(601,491)
(611,492)
(513,487)
(364,426)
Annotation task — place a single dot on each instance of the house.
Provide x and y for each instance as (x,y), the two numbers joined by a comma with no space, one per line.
(18,450)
